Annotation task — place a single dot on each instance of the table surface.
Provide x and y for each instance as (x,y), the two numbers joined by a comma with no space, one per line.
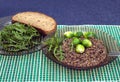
(68,11)
(36,66)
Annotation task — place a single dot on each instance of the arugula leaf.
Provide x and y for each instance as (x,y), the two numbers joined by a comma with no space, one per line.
(16,37)
(54,46)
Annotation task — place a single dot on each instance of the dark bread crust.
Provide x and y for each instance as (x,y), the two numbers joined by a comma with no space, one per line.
(43,29)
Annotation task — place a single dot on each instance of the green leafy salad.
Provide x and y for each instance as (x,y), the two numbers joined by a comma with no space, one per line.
(16,37)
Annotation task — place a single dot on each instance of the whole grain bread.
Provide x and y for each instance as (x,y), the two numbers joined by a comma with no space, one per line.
(40,21)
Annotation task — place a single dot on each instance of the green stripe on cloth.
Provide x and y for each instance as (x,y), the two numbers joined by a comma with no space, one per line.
(37,67)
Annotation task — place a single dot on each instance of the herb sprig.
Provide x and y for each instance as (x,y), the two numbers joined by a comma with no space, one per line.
(54,46)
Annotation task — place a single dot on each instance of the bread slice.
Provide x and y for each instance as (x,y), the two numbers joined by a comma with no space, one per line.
(42,22)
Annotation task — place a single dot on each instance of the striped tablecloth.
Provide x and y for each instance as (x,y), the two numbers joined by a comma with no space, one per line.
(37,67)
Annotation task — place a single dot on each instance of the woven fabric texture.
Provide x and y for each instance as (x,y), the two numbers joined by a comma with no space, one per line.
(37,67)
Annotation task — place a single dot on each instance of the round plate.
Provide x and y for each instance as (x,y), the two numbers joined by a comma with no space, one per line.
(109,42)
(6,21)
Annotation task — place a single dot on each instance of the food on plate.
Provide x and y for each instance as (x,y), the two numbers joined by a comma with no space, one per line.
(68,34)
(16,37)
(42,22)
(78,34)
(78,51)
(87,43)
(76,41)
(54,46)
(80,48)
(89,34)
(26,30)
(87,57)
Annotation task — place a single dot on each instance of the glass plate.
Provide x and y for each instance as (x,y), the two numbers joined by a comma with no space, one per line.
(6,21)
(109,42)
